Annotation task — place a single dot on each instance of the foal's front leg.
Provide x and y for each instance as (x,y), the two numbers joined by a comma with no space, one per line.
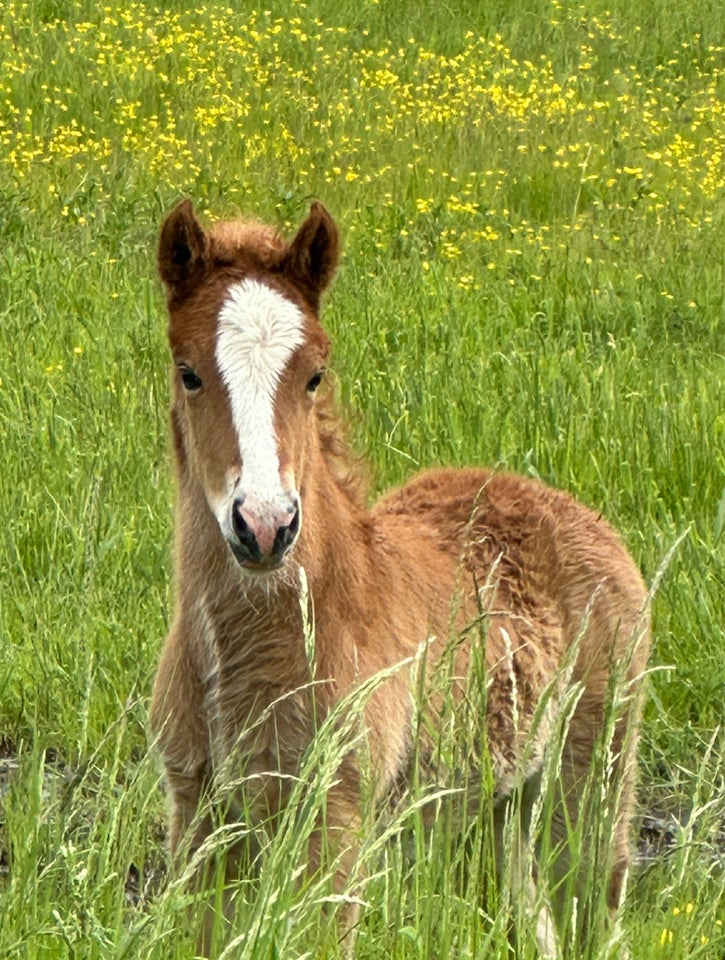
(188,827)
(337,841)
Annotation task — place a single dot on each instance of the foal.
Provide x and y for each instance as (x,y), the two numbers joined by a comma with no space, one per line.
(265,491)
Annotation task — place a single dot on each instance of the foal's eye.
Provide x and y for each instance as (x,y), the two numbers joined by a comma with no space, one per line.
(314,382)
(190,380)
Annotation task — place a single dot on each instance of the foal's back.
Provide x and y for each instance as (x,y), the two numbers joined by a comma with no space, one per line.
(553,564)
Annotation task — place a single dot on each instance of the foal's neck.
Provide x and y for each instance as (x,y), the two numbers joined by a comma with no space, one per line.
(333,544)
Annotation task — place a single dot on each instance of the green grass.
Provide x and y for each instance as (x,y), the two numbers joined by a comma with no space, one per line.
(531,199)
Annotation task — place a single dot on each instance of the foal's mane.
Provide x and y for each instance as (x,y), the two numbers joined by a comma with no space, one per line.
(347,467)
(238,243)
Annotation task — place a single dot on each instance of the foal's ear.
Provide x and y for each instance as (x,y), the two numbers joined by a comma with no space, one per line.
(183,247)
(312,257)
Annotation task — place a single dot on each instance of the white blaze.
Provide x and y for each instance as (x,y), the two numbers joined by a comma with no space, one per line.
(258,331)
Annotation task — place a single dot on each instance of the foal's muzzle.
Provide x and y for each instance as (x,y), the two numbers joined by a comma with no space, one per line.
(263,534)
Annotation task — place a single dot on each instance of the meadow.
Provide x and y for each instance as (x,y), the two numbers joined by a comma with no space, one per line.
(532,203)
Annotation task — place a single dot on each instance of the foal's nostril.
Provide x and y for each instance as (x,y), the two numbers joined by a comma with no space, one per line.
(248,546)
(286,535)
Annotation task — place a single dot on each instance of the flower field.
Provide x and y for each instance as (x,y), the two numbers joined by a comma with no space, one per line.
(309,106)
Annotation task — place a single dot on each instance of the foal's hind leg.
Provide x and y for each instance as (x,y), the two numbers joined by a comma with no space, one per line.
(625,744)
(598,826)
(515,869)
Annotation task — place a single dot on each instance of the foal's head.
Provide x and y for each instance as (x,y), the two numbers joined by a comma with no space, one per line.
(249,353)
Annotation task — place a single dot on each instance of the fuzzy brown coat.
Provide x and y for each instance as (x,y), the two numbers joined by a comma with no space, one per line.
(451,559)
